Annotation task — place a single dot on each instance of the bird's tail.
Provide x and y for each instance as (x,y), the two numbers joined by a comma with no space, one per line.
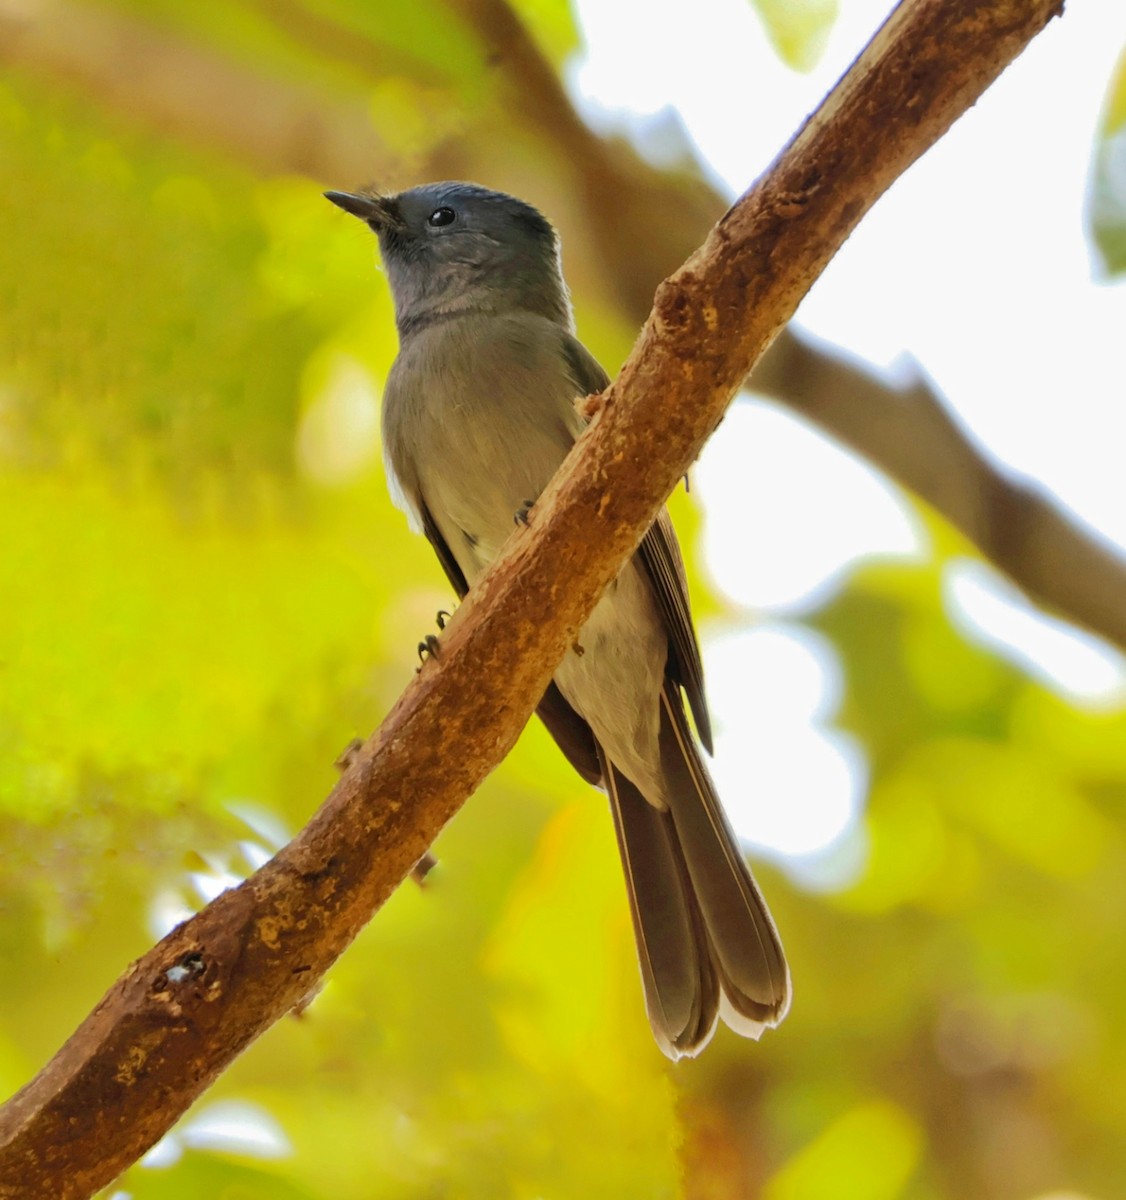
(705,938)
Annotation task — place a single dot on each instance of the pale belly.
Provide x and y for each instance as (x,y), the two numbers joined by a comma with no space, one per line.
(615,683)
(493,443)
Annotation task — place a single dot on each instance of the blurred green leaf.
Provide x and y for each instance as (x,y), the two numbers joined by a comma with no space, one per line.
(1106,207)
(798,29)
(551,23)
(874,1147)
(219,1177)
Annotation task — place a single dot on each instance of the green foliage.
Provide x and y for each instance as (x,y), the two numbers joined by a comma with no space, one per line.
(845,1151)
(199,1174)
(798,29)
(205,593)
(1107,202)
(551,23)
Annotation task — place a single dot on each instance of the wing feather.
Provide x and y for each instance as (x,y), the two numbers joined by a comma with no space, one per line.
(571,733)
(663,562)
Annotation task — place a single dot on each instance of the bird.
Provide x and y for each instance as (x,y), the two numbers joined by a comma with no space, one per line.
(478,412)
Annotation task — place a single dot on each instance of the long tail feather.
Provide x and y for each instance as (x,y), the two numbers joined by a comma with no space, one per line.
(744,942)
(677,972)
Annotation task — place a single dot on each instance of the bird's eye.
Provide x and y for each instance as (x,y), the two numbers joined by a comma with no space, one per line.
(441,216)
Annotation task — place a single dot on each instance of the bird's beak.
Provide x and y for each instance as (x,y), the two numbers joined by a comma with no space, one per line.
(380,212)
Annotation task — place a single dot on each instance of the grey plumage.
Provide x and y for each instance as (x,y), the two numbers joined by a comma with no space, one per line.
(478,413)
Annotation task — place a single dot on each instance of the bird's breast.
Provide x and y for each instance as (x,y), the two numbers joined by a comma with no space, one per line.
(481,415)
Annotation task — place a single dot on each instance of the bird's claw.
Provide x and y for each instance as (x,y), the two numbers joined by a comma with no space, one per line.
(442,618)
(428,647)
(520,517)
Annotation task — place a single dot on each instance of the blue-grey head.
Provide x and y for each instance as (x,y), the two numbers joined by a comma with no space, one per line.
(457,247)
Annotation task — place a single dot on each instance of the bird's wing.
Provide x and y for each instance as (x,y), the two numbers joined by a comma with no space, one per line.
(453,572)
(571,733)
(660,553)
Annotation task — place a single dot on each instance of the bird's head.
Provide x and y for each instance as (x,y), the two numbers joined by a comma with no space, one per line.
(454,247)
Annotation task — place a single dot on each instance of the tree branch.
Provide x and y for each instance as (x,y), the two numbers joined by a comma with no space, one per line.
(911,433)
(181,1013)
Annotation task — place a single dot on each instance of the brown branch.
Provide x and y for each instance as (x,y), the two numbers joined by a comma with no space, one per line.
(181,1013)
(911,433)
(908,432)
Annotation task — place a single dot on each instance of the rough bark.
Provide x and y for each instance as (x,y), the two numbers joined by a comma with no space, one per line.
(181,1013)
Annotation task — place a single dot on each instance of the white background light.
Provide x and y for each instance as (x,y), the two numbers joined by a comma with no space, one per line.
(976,263)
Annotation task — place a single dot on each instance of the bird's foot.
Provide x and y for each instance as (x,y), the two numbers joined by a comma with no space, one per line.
(520,517)
(429,647)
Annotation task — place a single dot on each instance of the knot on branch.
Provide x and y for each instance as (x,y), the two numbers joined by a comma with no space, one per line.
(673,305)
(183,982)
